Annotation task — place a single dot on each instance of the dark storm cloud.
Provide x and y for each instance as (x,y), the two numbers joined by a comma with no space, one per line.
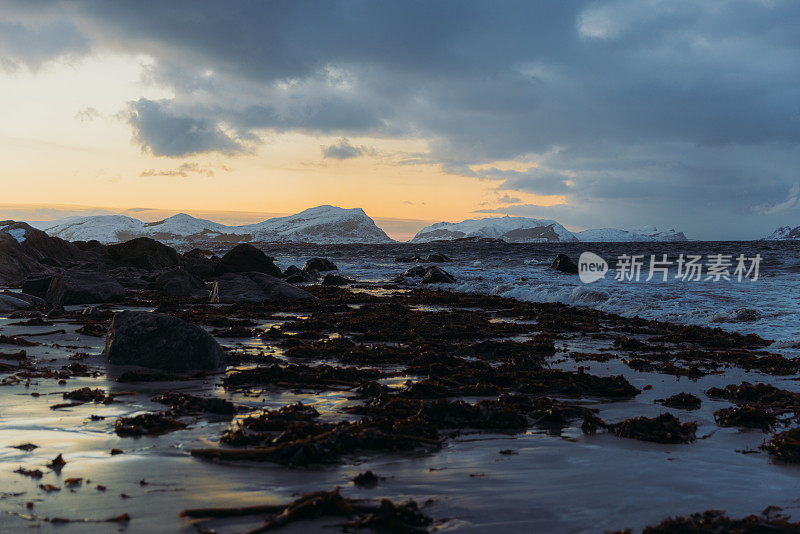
(676,112)
(35,43)
(163,133)
(344,150)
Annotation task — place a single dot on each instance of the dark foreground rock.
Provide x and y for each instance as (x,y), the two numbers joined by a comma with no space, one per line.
(564,264)
(159,341)
(246,258)
(83,287)
(257,287)
(320,265)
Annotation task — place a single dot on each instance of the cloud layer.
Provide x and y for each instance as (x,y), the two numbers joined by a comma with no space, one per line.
(681,113)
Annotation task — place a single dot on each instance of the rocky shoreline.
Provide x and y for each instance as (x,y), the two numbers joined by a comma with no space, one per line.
(236,357)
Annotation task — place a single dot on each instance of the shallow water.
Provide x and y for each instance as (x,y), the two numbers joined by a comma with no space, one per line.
(566,482)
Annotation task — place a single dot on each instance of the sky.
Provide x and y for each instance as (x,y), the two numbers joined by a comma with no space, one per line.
(620,113)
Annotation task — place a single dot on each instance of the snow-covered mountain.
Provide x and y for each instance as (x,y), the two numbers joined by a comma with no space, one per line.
(510,229)
(647,233)
(527,230)
(322,224)
(784,233)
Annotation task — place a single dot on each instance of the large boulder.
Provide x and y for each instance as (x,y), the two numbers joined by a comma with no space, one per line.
(37,284)
(247,258)
(178,283)
(257,287)
(160,341)
(40,246)
(564,264)
(83,287)
(15,263)
(10,303)
(143,253)
(133,277)
(200,263)
(320,265)
(33,300)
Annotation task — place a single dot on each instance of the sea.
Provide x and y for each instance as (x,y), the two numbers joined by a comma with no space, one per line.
(764,301)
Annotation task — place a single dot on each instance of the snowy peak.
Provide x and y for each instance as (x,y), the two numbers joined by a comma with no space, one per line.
(784,233)
(322,224)
(510,229)
(646,233)
(529,230)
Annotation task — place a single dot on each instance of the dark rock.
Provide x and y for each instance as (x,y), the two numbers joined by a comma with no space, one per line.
(429,275)
(415,272)
(294,275)
(93,245)
(291,271)
(247,258)
(33,300)
(564,264)
(257,287)
(159,341)
(83,287)
(132,277)
(15,263)
(336,280)
(10,303)
(40,246)
(436,275)
(409,259)
(320,264)
(438,258)
(200,263)
(143,253)
(178,283)
(37,284)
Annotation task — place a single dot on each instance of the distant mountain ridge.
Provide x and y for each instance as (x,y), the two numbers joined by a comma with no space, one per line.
(322,224)
(530,230)
(784,233)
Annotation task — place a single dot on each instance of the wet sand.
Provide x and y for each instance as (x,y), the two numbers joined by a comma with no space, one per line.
(548,479)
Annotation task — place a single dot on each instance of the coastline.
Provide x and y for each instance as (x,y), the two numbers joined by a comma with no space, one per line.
(451,346)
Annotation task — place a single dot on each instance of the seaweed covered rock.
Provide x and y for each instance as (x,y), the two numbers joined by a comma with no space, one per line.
(83,287)
(785,446)
(246,258)
(666,428)
(158,341)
